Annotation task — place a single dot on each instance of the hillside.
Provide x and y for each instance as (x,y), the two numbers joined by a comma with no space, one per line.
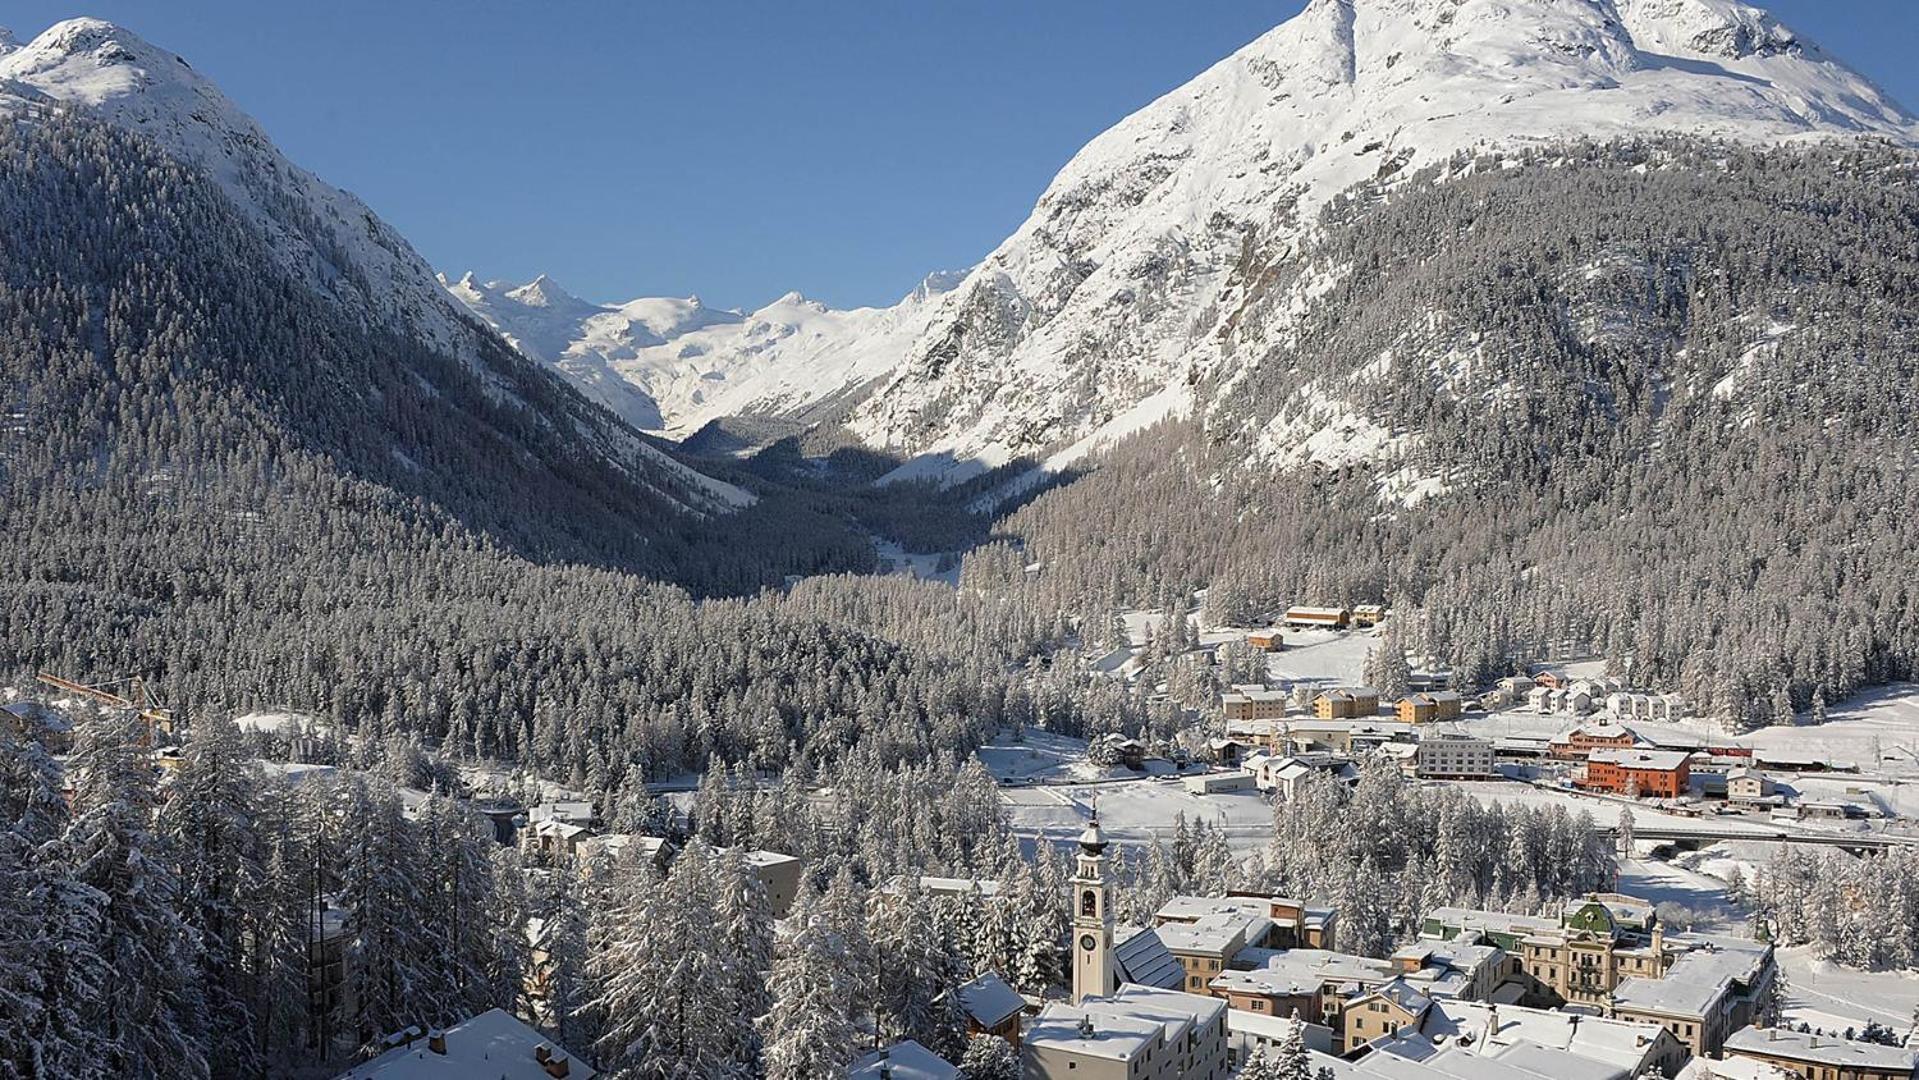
(1652,407)
(1111,300)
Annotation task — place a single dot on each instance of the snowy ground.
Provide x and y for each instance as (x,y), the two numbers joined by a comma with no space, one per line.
(1137,811)
(923,567)
(1818,992)
(1326,657)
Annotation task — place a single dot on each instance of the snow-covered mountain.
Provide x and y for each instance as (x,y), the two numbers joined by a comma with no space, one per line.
(330,237)
(672,365)
(323,236)
(1117,294)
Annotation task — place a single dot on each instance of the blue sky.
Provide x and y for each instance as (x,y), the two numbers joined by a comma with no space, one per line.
(729,148)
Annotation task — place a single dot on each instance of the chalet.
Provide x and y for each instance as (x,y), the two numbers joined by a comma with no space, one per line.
(1230,751)
(492,1044)
(1638,773)
(1368,614)
(1823,1057)
(1268,640)
(1333,618)
(992,1008)
(1129,752)
(1347,702)
(553,837)
(1283,776)
(1551,680)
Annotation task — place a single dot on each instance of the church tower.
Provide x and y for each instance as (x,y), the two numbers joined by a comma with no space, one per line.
(1093,974)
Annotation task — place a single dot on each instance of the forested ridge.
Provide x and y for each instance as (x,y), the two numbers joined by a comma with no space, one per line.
(1664,389)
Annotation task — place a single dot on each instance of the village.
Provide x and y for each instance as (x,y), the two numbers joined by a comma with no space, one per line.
(1241,982)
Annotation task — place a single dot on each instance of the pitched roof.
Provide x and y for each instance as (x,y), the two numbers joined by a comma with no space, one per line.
(989,1001)
(1143,958)
(492,1044)
(904,1060)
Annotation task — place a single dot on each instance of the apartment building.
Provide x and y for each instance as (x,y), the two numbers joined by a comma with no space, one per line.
(1609,953)
(1136,1033)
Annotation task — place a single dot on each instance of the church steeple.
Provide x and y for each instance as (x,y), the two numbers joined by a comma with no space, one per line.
(1093,974)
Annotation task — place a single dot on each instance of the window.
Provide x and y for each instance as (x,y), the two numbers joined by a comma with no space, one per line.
(1088,902)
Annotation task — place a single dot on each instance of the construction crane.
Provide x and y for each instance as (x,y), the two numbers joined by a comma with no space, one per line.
(157,719)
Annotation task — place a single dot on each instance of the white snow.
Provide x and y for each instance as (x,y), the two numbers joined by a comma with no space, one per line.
(672,365)
(1116,286)
(122,79)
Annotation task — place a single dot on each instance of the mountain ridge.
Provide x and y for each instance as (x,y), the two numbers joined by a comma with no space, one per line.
(1117,289)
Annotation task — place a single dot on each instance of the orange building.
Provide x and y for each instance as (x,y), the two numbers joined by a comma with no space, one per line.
(1654,773)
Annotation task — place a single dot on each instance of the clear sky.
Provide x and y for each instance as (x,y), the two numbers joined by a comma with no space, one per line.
(729,148)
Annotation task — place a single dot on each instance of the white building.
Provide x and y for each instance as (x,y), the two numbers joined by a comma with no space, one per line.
(1137,1033)
(1454,755)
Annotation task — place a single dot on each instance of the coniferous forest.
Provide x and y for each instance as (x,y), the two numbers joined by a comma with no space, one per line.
(1665,393)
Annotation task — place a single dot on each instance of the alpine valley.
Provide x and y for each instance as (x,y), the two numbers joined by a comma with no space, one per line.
(398,663)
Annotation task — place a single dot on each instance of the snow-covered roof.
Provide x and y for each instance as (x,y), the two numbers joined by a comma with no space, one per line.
(1283,972)
(1620,1045)
(1822,1049)
(1217,935)
(904,1060)
(1656,760)
(989,1001)
(1142,958)
(492,1044)
(1698,979)
(1071,1030)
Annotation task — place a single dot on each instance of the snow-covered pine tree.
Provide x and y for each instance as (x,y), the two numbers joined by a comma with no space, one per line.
(989,1057)
(210,820)
(151,1021)
(809,1033)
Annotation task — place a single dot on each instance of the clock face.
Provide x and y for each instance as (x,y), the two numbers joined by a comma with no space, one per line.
(1087,942)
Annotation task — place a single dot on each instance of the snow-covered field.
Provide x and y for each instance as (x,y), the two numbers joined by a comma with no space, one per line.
(1137,811)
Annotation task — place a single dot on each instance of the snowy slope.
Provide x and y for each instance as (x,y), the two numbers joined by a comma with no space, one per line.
(1120,285)
(330,236)
(671,365)
(325,236)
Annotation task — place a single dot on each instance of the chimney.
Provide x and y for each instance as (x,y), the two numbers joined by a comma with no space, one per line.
(436,1041)
(558,1066)
(1085,1026)
(542,1052)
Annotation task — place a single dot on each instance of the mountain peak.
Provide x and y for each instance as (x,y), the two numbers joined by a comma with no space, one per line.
(544,292)
(1162,204)
(119,78)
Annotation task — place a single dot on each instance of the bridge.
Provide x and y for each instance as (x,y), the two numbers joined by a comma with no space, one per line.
(1705,833)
